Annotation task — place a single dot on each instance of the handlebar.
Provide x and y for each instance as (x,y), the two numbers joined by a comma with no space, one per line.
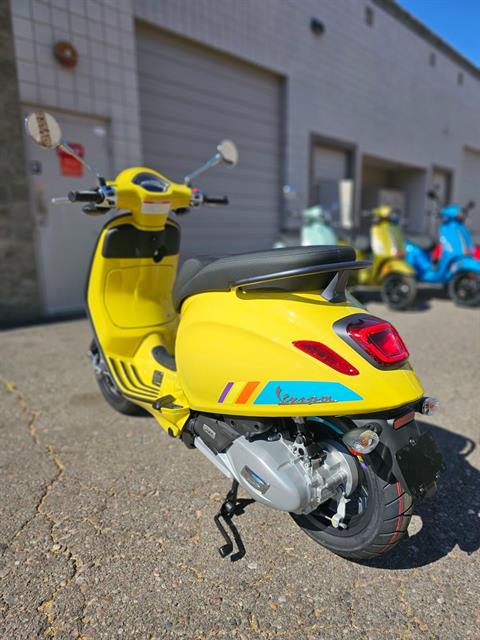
(86,196)
(215,199)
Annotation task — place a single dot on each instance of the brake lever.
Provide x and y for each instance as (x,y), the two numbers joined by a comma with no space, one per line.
(92,209)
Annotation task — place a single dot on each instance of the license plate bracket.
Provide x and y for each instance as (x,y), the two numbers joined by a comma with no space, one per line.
(421,464)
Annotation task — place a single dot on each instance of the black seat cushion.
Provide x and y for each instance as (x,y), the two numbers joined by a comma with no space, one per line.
(422,240)
(202,274)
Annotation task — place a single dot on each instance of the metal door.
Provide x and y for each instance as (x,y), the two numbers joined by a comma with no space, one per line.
(331,183)
(65,236)
(470,185)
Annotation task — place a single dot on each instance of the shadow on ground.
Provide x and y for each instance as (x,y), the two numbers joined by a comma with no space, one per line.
(451,517)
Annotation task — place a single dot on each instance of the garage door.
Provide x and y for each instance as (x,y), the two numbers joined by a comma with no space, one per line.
(191,98)
(470,184)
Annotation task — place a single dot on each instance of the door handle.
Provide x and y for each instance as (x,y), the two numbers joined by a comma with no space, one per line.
(40,205)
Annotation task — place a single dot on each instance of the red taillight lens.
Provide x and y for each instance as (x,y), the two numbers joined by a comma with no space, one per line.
(379,339)
(326,355)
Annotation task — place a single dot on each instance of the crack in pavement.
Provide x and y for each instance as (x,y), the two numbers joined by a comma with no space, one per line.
(46,606)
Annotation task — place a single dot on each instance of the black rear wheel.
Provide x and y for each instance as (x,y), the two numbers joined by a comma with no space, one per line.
(464,289)
(399,291)
(377,517)
(109,389)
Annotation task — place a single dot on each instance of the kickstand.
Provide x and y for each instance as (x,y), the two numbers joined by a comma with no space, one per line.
(232,506)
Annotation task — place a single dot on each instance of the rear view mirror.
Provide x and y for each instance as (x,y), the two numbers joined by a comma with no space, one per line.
(289,192)
(43,129)
(228,152)
(47,133)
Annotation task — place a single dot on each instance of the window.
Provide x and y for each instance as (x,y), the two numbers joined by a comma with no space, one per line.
(460,78)
(369,16)
(433,59)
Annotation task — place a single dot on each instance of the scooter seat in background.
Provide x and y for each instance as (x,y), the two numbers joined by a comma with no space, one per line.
(422,240)
(202,274)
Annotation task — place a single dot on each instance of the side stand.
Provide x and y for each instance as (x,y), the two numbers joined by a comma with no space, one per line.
(232,506)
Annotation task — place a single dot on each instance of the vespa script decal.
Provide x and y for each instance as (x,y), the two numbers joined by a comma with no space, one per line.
(284,398)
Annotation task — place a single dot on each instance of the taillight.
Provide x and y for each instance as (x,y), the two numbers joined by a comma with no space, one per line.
(326,355)
(379,339)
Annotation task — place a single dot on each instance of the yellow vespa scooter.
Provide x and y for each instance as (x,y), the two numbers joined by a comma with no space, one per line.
(389,270)
(258,361)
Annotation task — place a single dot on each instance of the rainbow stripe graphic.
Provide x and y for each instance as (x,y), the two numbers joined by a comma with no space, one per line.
(238,392)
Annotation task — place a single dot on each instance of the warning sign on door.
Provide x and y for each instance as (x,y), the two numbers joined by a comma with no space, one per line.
(70,166)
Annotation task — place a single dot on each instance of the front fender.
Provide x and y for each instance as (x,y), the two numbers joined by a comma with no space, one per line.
(396,265)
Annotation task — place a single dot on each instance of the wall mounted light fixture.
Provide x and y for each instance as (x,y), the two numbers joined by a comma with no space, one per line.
(317,26)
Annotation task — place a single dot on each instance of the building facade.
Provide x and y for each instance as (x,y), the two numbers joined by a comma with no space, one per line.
(351,102)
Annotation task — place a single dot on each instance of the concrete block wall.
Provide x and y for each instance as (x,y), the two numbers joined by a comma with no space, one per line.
(104,82)
(19,292)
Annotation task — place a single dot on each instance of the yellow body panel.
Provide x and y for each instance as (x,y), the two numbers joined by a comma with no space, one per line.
(243,338)
(129,303)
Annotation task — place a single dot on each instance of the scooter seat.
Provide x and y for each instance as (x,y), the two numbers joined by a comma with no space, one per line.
(202,274)
(422,240)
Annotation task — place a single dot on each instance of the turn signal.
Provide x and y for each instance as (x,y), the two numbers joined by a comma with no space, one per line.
(326,355)
(361,441)
(429,406)
(379,339)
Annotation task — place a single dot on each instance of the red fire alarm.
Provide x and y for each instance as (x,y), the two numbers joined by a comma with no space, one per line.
(65,53)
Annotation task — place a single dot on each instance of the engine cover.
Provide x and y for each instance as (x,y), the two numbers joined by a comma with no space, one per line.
(275,473)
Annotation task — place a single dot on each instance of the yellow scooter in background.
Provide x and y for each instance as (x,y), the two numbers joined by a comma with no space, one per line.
(259,362)
(389,270)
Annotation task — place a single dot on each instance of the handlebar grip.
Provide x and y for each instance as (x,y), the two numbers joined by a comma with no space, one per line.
(61,200)
(215,200)
(85,196)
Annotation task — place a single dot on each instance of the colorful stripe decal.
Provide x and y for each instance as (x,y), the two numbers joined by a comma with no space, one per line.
(308,392)
(224,393)
(282,392)
(246,392)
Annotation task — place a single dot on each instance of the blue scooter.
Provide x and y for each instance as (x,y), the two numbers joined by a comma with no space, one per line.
(456,268)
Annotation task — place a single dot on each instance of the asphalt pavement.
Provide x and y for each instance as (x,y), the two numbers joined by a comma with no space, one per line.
(106,523)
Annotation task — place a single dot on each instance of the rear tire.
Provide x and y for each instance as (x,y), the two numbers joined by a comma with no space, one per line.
(113,395)
(378,515)
(464,289)
(398,291)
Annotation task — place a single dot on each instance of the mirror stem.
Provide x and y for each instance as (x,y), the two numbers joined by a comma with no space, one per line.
(214,160)
(68,149)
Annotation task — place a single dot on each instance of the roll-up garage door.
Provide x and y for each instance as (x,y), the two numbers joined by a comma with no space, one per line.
(192,97)
(470,184)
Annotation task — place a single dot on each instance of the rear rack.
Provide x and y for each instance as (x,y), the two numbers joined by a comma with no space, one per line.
(333,292)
